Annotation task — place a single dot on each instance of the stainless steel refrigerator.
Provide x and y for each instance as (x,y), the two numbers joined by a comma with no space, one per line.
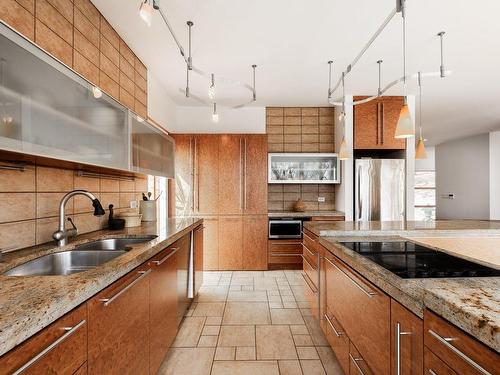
(379,190)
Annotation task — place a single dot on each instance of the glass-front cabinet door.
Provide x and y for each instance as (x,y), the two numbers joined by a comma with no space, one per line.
(302,168)
(152,150)
(48,110)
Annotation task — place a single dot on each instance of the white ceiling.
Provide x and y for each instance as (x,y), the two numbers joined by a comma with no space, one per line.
(292,40)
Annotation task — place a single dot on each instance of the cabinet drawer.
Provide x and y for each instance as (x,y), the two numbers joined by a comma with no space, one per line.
(284,251)
(310,240)
(462,353)
(338,340)
(311,270)
(61,348)
(311,294)
(357,364)
(363,310)
(311,256)
(434,366)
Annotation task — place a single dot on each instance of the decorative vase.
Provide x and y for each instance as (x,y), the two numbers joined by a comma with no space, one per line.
(299,206)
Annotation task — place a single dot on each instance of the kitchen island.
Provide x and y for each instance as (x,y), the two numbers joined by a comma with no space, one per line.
(28,304)
(469,303)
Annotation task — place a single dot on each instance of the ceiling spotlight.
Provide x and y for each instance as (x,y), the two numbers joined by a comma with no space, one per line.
(211,89)
(146,12)
(215,115)
(96,91)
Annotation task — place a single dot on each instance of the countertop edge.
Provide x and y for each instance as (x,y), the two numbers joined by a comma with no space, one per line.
(28,326)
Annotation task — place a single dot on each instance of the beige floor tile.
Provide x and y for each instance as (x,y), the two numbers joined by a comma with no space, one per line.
(248,296)
(276,273)
(245,353)
(210,330)
(315,331)
(225,353)
(209,309)
(265,283)
(208,342)
(298,329)
(235,288)
(275,342)
(213,321)
(245,368)
(288,297)
(247,288)
(302,340)
(299,293)
(306,312)
(312,367)
(306,352)
(275,305)
(286,316)
(237,336)
(212,294)
(237,274)
(290,367)
(329,361)
(246,313)
(242,281)
(290,304)
(189,332)
(179,361)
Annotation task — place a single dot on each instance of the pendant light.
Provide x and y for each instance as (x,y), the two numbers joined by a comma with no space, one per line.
(420,152)
(215,115)
(343,151)
(405,127)
(146,12)
(96,91)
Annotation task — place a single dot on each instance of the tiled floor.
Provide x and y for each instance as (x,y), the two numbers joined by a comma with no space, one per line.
(255,323)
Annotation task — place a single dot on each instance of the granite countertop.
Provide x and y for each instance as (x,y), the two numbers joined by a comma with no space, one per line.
(29,304)
(473,304)
(305,214)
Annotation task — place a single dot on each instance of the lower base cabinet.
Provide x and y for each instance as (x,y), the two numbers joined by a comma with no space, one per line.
(61,348)
(255,242)
(230,243)
(211,243)
(119,326)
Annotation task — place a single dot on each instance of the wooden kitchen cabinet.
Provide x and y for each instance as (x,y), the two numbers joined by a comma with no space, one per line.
(211,243)
(255,242)
(64,343)
(357,364)
(230,174)
(364,312)
(255,174)
(162,306)
(118,329)
(338,340)
(375,124)
(206,178)
(284,254)
(460,352)
(230,243)
(198,239)
(411,341)
(433,365)
(184,176)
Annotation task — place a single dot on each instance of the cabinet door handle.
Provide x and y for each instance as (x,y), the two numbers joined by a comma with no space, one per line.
(307,236)
(382,121)
(337,333)
(355,361)
(309,264)
(191,166)
(286,255)
(431,372)
(108,301)
(158,262)
(314,290)
(378,122)
(197,172)
(241,175)
(446,342)
(398,347)
(370,293)
(245,177)
(32,361)
(200,228)
(309,251)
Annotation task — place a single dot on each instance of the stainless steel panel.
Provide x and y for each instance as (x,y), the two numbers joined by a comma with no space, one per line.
(114,243)
(379,190)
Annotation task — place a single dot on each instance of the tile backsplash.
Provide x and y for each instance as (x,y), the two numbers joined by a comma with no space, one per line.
(29,202)
(281,197)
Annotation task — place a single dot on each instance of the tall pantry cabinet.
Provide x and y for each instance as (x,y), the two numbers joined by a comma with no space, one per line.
(223,178)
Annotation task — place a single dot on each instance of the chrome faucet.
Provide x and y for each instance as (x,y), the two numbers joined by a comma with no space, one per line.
(62,235)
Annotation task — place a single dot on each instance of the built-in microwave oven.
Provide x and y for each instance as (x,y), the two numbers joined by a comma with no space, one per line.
(285,228)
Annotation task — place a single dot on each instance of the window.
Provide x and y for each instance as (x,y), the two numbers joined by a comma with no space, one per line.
(425,195)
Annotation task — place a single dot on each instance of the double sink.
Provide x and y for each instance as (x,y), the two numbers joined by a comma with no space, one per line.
(82,258)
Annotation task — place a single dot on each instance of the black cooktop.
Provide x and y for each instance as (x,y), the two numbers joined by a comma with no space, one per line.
(411,261)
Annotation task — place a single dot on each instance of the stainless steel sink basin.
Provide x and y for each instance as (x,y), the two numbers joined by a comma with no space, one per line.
(64,263)
(114,243)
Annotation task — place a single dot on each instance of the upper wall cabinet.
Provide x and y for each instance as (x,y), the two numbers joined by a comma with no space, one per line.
(152,150)
(48,110)
(303,168)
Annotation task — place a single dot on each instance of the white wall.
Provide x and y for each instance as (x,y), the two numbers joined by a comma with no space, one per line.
(161,108)
(495,175)
(199,120)
(463,168)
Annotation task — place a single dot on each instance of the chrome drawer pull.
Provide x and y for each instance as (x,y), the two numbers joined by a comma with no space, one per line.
(32,361)
(446,342)
(337,333)
(199,228)
(355,361)
(398,347)
(309,264)
(310,252)
(286,255)
(158,262)
(307,282)
(305,235)
(107,301)
(432,372)
(370,294)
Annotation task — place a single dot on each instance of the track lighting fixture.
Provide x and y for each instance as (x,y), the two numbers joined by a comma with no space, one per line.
(405,127)
(254,92)
(379,91)
(330,79)
(441,67)
(343,150)
(96,91)
(211,88)
(215,115)
(420,152)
